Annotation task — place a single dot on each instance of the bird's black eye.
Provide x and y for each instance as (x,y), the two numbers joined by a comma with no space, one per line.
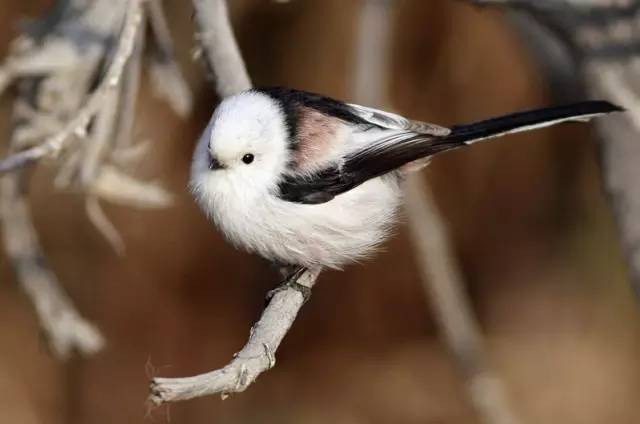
(248,158)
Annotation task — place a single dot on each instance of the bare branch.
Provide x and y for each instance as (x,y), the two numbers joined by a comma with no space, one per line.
(620,154)
(602,35)
(257,356)
(94,149)
(122,136)
(54,77)
(119,188)
(220,47)
(616,83)
(103,224)
(443,282)
(371,63)
(166,78)
(78,125)
(6,77)
(63,327)
(440,274)
(91,160)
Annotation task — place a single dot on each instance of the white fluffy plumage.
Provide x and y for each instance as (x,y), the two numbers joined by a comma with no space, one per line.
(241,201)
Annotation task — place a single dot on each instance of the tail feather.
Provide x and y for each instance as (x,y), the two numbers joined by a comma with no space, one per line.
(527,121)
(397,150)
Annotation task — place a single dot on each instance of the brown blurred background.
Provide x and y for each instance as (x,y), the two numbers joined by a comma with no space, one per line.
(527,215)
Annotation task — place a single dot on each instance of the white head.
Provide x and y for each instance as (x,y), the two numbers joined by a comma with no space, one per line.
(244,149)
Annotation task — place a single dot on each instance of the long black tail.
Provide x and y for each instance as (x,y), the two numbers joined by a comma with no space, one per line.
(527,121)
(395,151)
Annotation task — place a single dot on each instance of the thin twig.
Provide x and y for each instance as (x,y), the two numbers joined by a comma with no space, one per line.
(112,128)
(258,355)
(166,78)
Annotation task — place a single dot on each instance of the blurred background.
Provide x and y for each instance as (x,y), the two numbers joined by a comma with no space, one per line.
(527,216)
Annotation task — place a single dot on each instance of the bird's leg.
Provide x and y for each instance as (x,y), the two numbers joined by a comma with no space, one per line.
(291,275)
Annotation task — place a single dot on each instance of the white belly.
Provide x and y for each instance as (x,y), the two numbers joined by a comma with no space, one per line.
(343,230)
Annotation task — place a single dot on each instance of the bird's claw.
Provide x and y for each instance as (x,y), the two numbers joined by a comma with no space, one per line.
(291,282)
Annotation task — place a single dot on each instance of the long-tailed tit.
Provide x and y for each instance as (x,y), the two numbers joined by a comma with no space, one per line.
(308,181)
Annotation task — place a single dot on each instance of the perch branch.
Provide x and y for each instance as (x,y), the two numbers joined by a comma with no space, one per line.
(258,355)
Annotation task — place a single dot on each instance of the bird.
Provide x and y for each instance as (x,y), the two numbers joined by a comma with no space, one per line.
(310,182)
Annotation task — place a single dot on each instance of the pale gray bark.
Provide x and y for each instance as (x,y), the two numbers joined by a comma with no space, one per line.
(258,355)
(220,47)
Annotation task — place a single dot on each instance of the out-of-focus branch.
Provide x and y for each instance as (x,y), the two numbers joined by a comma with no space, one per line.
(258,355)
(439,271)
(443,282)
(113,128)
(620,154)
(63,327)
(221,52)
(166,78)
(372,50)
(78,125)
(603,38)
(49,91)
(59,114)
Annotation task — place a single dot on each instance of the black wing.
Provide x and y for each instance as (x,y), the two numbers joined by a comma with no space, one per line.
(390,153)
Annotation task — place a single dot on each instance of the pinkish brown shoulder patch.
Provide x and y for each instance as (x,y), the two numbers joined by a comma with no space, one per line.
(320,138)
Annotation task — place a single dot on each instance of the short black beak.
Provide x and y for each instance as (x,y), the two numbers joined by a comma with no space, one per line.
(214,164)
